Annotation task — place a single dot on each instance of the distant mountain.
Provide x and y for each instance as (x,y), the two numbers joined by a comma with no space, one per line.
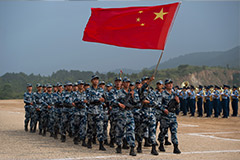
(229,58)
(125,71)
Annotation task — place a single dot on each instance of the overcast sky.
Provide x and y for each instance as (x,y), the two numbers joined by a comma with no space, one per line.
(42,37)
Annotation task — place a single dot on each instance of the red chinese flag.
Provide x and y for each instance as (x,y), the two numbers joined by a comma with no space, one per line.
(133,27)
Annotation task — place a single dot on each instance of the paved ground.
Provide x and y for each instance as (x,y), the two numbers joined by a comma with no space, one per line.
(199,138)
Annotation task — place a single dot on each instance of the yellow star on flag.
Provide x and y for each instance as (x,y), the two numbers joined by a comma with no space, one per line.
(138,19)
(140,12)
(160,14)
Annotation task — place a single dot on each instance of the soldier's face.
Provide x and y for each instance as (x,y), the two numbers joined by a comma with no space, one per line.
(102,86)
(126,84)
(80,86)
(159,86)
(109,88)
(55,89)
(60,88)
(39,88)
(45,88)
(49,89)
(118,84)
(139,85)
(132,87)
(169,86)
(95,81)
(29,88)
(86,87)
(69,88)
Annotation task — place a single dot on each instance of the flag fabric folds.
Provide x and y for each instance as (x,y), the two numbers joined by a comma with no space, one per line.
(133,27)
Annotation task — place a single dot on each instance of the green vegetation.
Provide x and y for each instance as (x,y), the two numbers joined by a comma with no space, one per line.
(13,85)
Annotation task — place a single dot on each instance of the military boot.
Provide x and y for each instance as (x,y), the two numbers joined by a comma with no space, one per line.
(125,145)
(89,144)
(147,144)
(40,132)
(94,140)
(154,151)
(111,143)
(44,132)
(106,142)
(139,148)
(51,134)
(84,143)
(63,138)
(75,140)
(26,127)
(132,152)
(34,129)
(167,142)
(101,147)
(55,136)
(176,149)
(161,147)
(119,149)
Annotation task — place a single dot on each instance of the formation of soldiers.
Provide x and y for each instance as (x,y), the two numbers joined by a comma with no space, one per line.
(132,109)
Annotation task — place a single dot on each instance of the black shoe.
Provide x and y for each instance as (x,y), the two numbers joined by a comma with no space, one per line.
(94,140)
(176,150)
(125,145)
(111,143)
(55,136)
(26,128)
(101,147)
(70,134)
(40,132)
(51,134)
(44,133)
(31,130)
(89,144)
(154,151)
(139,148)
(119,149)
(106,142)
(132,152)
(167,142)
(75,140)
(147,144)
(63,138)
(161,147)
(84,143)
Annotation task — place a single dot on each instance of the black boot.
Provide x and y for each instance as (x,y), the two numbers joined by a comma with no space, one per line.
(63,138)
(147,144)
(154,151)
(75,140)
(89,144)
(176,150)
(132,152)
(84,143)
(31,130)
(34,129)
(101,147)
(55,136)
(125,145)
(26,127)
(167,142)
(40,132)
(119,149)
(106,142)
(111,143)
(51,134)
(94,140)
(139,148)
(44,132)
(161,147)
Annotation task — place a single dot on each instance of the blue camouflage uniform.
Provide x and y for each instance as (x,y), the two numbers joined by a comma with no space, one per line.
(29,109)
(114,94)
(235,95)
(67,113)
(95,113)
(106,106)
(38,105)
(168,121)
(45,114)
(148,114)
(80,115)
(125,119)
(57,112)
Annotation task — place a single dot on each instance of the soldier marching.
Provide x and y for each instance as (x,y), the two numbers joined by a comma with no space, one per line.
(133,111)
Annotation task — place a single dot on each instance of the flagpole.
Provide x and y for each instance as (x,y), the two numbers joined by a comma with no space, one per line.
(154,74)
